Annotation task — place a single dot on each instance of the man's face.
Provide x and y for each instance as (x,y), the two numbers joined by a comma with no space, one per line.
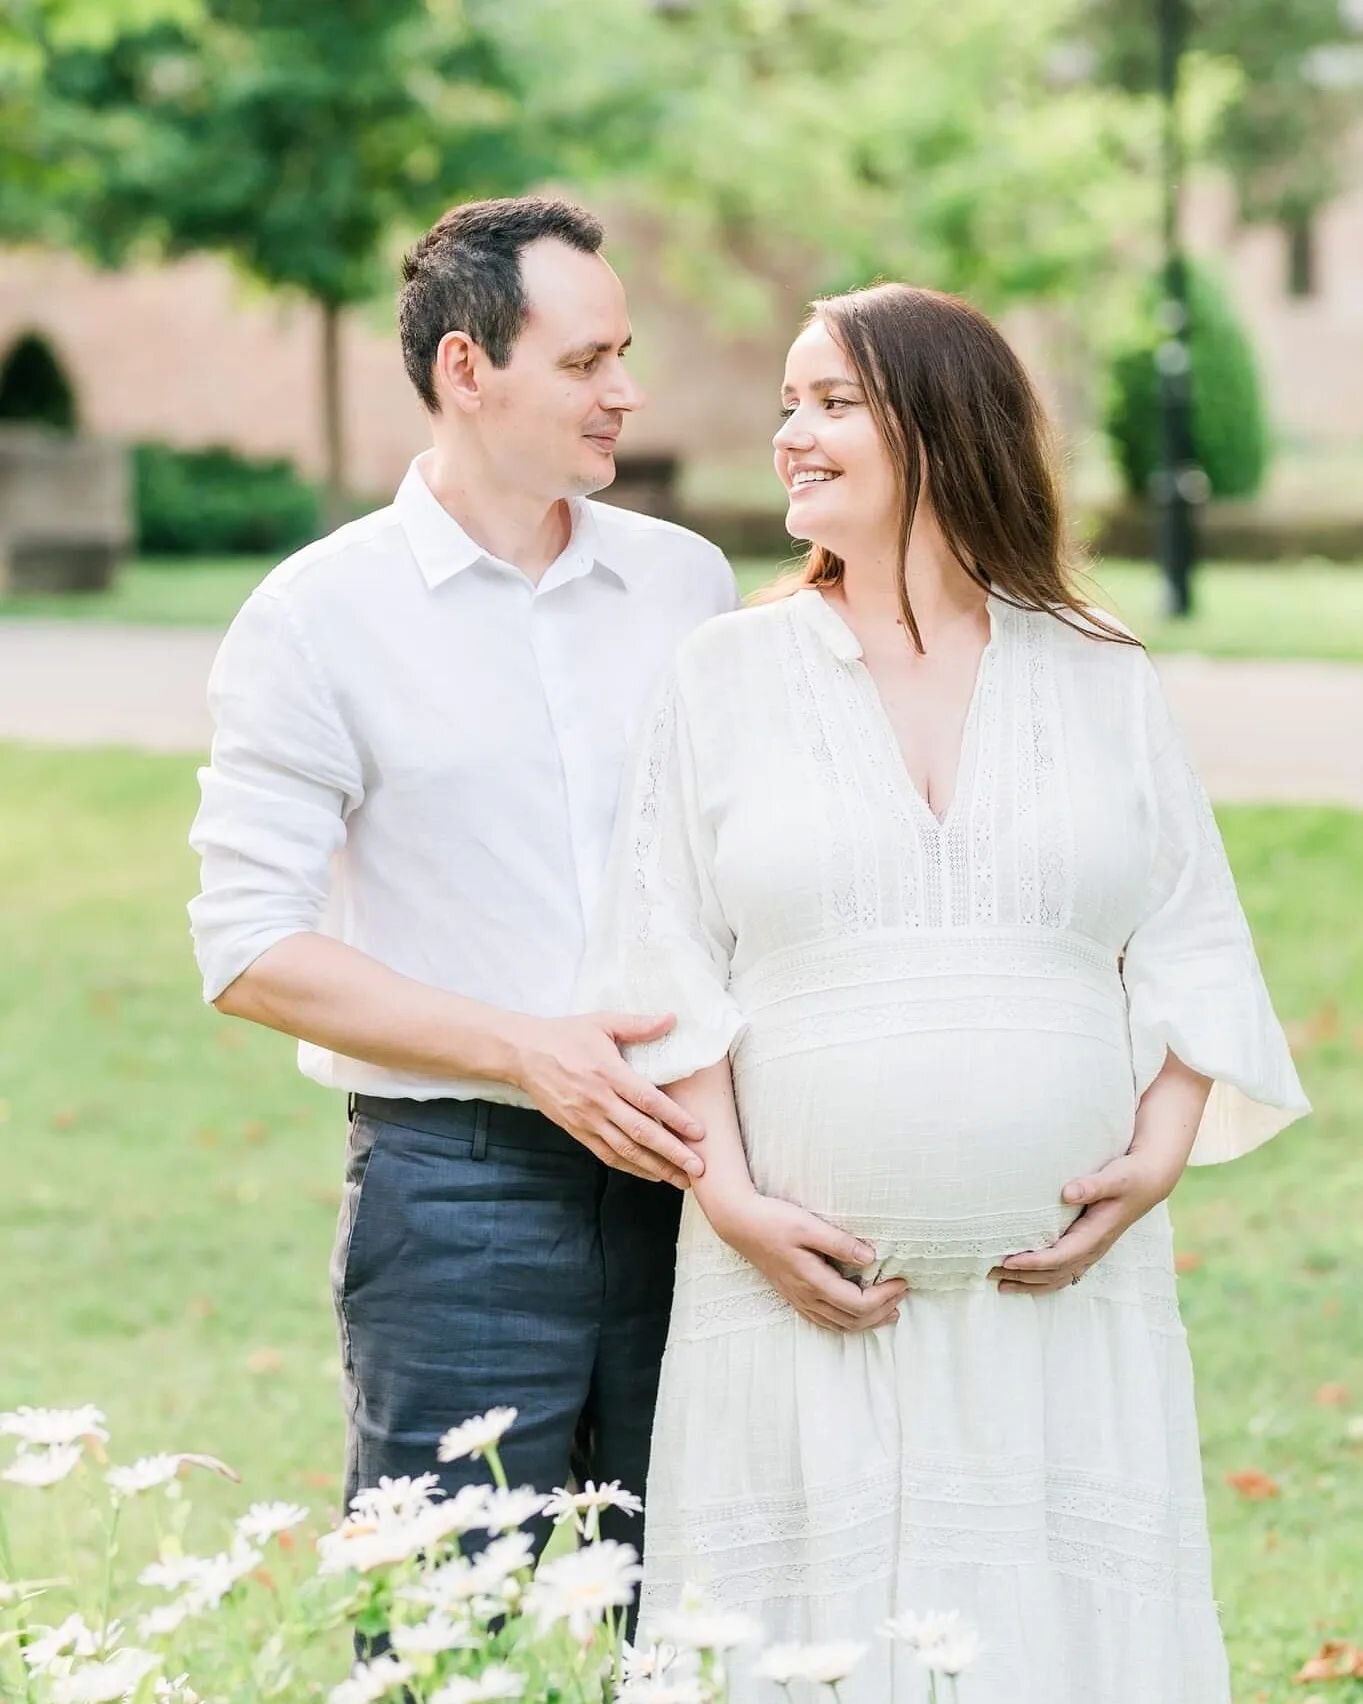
(552,416)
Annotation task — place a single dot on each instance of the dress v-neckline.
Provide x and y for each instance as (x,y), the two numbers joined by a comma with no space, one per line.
(849,650)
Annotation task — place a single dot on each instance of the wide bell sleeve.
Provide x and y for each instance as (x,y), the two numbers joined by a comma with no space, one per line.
(1192,976)
(660,942)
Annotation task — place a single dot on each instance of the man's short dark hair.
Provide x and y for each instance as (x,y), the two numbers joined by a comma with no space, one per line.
(465,275)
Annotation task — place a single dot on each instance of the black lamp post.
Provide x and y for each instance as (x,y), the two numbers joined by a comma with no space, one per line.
(1179,482)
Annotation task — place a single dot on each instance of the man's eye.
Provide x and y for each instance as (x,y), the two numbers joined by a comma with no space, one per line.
(587,366)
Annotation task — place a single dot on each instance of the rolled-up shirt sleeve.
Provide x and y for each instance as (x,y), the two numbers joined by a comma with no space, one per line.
(283,777)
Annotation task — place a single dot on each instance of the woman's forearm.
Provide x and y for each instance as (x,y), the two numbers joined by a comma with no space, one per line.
(708,1095)
(1168,1116)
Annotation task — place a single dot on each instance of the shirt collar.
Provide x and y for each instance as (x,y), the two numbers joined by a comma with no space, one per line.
(443,549)
(839,637)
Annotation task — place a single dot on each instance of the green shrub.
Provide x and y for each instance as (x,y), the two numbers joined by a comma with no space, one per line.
(1230,428)
(34,387)
(217,503)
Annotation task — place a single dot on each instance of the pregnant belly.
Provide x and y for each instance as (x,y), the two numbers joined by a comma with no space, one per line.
(944,1148)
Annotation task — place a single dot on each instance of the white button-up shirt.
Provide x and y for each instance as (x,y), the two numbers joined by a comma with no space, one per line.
(418,752)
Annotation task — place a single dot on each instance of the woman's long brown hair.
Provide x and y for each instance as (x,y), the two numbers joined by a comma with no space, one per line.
(956,409)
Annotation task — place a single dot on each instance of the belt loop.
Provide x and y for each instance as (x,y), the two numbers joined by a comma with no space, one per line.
(350,1108)
(482,1117)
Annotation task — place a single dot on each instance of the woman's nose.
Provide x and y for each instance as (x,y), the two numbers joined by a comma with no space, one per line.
(791,434)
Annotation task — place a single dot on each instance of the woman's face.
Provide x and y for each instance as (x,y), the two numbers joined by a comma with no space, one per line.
(829,453)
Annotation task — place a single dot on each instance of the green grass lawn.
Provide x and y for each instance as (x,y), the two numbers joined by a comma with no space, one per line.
(170,1188)
(1293,610)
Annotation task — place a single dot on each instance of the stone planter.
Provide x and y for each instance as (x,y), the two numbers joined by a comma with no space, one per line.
(65,510)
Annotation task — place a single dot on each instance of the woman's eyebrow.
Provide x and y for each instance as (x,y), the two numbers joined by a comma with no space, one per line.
(843,383)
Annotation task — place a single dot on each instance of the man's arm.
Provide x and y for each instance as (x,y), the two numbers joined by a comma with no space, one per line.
(284,778)
(792,1248)
(328,993)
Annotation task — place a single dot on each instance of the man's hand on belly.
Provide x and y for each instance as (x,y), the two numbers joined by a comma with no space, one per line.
(794,1249)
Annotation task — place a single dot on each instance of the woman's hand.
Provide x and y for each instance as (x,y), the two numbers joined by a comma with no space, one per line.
(1125,1189)
(1113,1199)
(794,1249)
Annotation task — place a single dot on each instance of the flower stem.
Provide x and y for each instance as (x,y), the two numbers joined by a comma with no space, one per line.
(110,1552)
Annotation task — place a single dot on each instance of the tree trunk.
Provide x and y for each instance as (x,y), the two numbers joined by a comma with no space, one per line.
(336,505)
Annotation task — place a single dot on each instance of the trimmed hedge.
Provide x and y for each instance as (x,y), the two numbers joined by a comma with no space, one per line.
(217,503)
(1230,427)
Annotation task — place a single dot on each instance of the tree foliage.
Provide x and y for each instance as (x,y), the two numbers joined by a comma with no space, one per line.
(1283,135)
(1230,427)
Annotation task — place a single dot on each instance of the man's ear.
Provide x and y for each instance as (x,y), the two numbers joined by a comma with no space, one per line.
(456,371)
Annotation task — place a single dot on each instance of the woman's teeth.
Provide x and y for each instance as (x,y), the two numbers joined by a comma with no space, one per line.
(811,478)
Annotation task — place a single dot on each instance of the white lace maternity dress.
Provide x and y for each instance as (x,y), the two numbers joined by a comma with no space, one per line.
(933,1025)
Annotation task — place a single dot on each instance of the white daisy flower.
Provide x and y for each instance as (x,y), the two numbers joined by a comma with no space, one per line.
(396,1499)
(107,1682)
(148,1474)
(430,1637)
(639,1662)
(173,1573)
(666,1691)
(177,1691)
(264,1521)
(580,1587)
(369,1682)
(215,1576)
(951,1656)
(505,1556)
(39,1468)
(578,1506)
(24,1591)
(364,1544)
(44,1428)
(72,1638)
(705,1629)
(504,1511)
(475,1437)
(823,1665)
(165,1619)
(922,1631)
(492,1684)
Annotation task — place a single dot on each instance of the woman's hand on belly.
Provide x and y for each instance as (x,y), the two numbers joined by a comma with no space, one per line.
(793,1249)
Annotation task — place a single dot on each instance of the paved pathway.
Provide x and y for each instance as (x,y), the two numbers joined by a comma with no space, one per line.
(1262,730)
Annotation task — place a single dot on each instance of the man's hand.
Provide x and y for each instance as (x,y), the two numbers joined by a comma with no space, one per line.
(571,1068)
(1113,1199)
(793,1249)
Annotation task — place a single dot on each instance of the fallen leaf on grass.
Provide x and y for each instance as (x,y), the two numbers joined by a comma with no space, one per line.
(1187,1261)
(256,1132)
(1337,1659)
(264,1361)
(1253,1485)
(320,1481)
(1322,1025)
(1332,1395)
(64,1118)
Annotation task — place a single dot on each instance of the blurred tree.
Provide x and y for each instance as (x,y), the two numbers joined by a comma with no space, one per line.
(1229,423)
(1284,133)
(298,139)
(39,168)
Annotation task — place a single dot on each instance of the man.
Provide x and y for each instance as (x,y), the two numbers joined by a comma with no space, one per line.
(420,726)
(420,723)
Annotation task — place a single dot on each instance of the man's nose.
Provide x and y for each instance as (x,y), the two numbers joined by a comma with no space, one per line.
(624,393)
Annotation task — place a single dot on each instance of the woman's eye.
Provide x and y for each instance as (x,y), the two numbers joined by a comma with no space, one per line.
(837,402)
(785,412)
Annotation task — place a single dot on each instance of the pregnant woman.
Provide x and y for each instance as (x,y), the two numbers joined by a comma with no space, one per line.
(914,854)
